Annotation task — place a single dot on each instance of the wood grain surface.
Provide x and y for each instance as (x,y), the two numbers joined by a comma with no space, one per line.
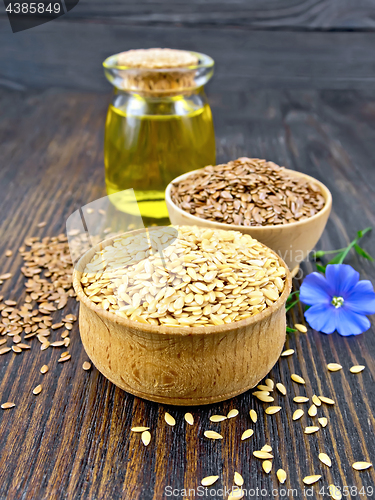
(73,440)
(69,52)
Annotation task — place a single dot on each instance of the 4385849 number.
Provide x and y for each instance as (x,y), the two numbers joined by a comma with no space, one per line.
(33,8)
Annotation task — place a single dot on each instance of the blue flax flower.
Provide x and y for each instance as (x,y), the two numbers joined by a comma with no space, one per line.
(338,300)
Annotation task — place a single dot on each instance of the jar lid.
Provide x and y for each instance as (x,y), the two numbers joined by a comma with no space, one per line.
(158,71)
(157,58)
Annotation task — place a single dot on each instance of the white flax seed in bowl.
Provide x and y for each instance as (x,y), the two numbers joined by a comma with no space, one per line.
(184,276)
(248,192)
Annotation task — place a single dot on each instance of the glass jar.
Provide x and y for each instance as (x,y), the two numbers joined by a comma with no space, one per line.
(159,126)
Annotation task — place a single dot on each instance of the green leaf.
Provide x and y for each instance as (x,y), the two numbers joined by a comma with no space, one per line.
(290,306)
(339,258)
(320,268)
(296,292)
(290,330)
(363,253)
(318,254)
(321,253)
(360,234)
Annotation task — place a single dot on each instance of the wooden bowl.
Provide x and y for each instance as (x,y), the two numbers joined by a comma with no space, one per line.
(181,366)
(292,242)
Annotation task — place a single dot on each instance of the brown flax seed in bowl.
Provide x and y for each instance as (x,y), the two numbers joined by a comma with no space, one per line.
(248,192)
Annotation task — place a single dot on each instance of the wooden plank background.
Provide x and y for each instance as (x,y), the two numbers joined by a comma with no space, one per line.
(256,44)
(73,441)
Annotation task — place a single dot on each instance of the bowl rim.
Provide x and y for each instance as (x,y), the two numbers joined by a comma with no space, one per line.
(167,330)
(223,225)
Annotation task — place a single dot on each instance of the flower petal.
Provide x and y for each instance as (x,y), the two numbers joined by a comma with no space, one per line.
(362,299)
(315,290)
(322,317)
(342,278)
(351,323)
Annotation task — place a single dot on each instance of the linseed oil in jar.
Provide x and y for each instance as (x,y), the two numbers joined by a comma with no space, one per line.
(159,125)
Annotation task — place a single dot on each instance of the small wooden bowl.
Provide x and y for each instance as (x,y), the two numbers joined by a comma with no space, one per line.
(181,366)
(292,242)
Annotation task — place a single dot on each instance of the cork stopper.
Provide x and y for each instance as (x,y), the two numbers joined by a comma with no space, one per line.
(158,71)
(157,58)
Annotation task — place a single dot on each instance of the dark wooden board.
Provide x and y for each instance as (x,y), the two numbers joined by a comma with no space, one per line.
(73,441)
(69,53)
(255,14)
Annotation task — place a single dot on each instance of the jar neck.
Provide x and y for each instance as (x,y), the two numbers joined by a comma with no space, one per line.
(135,104)
(164,97)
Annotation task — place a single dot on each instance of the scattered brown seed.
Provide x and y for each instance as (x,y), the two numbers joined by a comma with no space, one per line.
(189,418)
(44,346)
(5,350)
(209,480)
(140,429)
(58,343)
(44,369)
(8,253)
(324,458)
(357,368)
(5,276)
(16,349)
(10,302)
(63,359)
(42,224)
(57,325)
(86,365)
(6,406)
(37,390)
(233,413)
(169,419)
(334,367)
(24,346)
(3,341)
(17,339)
(300,328)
